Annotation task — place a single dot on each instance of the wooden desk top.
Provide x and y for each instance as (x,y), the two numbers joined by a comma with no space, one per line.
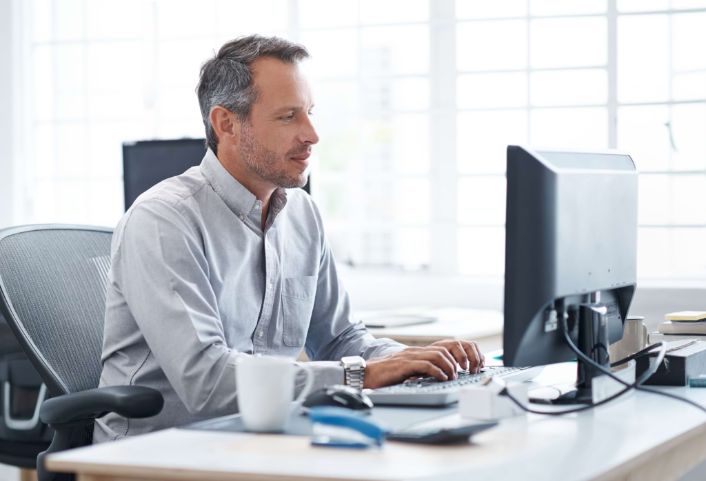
(640,436)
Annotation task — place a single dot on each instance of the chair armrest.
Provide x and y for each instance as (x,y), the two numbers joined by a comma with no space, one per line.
(84,406)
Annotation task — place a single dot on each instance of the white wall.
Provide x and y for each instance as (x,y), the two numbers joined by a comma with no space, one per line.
(8,131)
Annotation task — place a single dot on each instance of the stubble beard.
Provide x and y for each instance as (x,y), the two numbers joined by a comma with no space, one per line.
(264,163)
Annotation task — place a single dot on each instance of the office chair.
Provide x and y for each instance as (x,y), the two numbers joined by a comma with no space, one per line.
(52,294)
(22,435)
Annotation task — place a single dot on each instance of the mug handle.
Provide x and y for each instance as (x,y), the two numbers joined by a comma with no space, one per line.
(307,385)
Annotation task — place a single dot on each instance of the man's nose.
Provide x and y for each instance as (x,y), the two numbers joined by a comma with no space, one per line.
(308,134)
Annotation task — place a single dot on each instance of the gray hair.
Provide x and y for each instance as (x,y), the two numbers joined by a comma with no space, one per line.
(226,79)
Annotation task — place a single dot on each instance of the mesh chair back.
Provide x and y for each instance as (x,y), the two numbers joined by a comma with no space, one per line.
(52,292)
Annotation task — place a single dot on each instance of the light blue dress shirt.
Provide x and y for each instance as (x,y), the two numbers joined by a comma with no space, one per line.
(195,282)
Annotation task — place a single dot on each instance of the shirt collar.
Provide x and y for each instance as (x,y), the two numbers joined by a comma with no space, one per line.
(238,199)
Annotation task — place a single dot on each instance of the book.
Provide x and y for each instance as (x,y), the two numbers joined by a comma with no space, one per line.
(695,327)
(686,316)
(655,336)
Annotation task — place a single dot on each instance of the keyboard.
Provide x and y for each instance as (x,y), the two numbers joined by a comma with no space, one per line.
(427,391)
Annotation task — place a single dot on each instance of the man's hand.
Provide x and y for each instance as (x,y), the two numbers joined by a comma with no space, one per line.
(439,360)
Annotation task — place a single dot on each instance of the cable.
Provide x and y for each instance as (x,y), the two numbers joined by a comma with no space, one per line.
(628,386)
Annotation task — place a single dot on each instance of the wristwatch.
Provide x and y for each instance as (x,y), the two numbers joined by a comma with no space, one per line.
(353,371)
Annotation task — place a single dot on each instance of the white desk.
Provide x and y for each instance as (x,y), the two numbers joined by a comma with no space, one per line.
(483,326)
(640,437)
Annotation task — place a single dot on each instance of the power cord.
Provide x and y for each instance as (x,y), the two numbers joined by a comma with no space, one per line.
(628,386)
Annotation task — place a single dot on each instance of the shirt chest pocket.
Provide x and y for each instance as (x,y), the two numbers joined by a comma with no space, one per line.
(297,304)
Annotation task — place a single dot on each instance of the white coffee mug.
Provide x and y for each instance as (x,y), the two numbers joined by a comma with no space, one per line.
(265,387)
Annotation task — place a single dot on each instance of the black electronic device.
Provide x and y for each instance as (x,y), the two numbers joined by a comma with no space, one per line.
(570,257)
(433,432)
(340,396)
(683,362)
(148,162)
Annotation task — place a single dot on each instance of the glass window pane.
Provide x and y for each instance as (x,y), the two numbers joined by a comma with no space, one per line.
(568,42)
(339,147)
(395,50)
(69,20)
(672,253)
(69,67)
(324,13)
(481,251)
(42,98)
(107,19)
(410,143)
(44,152)
(688,248)
(672,199)
(566,7)
(115,67)
(411,201)
(174,15)
(42,20)
(105,201)
(569,87)
(689,37)
(677,4)
(334,98)
(105,140)
(412,248)
(398,143)
(643,58)
(481,9)
(334,53)
(642,5)
(179,61)
(382,94)
(393,11)
(689,86)
(266,17)
(570,128)
(689,199)
(481,200)
(654,253)
(654,199)
(495,90)
(688,129)
(70,150)
(482,139)
(643,133)
(492,45)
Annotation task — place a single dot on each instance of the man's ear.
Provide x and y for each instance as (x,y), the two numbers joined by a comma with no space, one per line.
(225,124)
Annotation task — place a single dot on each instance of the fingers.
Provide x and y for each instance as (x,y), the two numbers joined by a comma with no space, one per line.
(458,350)
(475,357)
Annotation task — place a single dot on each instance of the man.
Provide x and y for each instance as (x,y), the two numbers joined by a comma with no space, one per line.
(222,261)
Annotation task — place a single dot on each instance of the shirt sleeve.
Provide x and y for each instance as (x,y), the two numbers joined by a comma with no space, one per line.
(163,275)
(333,333)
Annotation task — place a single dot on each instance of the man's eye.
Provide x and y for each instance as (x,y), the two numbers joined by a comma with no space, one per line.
(287,117)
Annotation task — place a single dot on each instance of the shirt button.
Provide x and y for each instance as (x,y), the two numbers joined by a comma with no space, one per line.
(242,216)
(259,334)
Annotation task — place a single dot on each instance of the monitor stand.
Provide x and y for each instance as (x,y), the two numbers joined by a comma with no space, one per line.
(593,342)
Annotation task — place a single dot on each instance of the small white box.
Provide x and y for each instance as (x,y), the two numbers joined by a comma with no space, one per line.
(485,401)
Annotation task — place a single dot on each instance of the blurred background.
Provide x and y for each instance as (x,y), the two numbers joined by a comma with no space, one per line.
(416,101)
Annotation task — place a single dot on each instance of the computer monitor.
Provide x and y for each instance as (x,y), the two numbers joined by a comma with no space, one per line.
(147,162)
(570,256)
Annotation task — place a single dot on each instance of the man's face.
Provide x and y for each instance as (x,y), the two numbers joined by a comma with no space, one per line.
(275,141)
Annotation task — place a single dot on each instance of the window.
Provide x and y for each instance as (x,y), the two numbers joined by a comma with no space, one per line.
(416,102)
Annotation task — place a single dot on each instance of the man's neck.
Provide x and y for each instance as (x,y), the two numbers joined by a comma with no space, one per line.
(262,190)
